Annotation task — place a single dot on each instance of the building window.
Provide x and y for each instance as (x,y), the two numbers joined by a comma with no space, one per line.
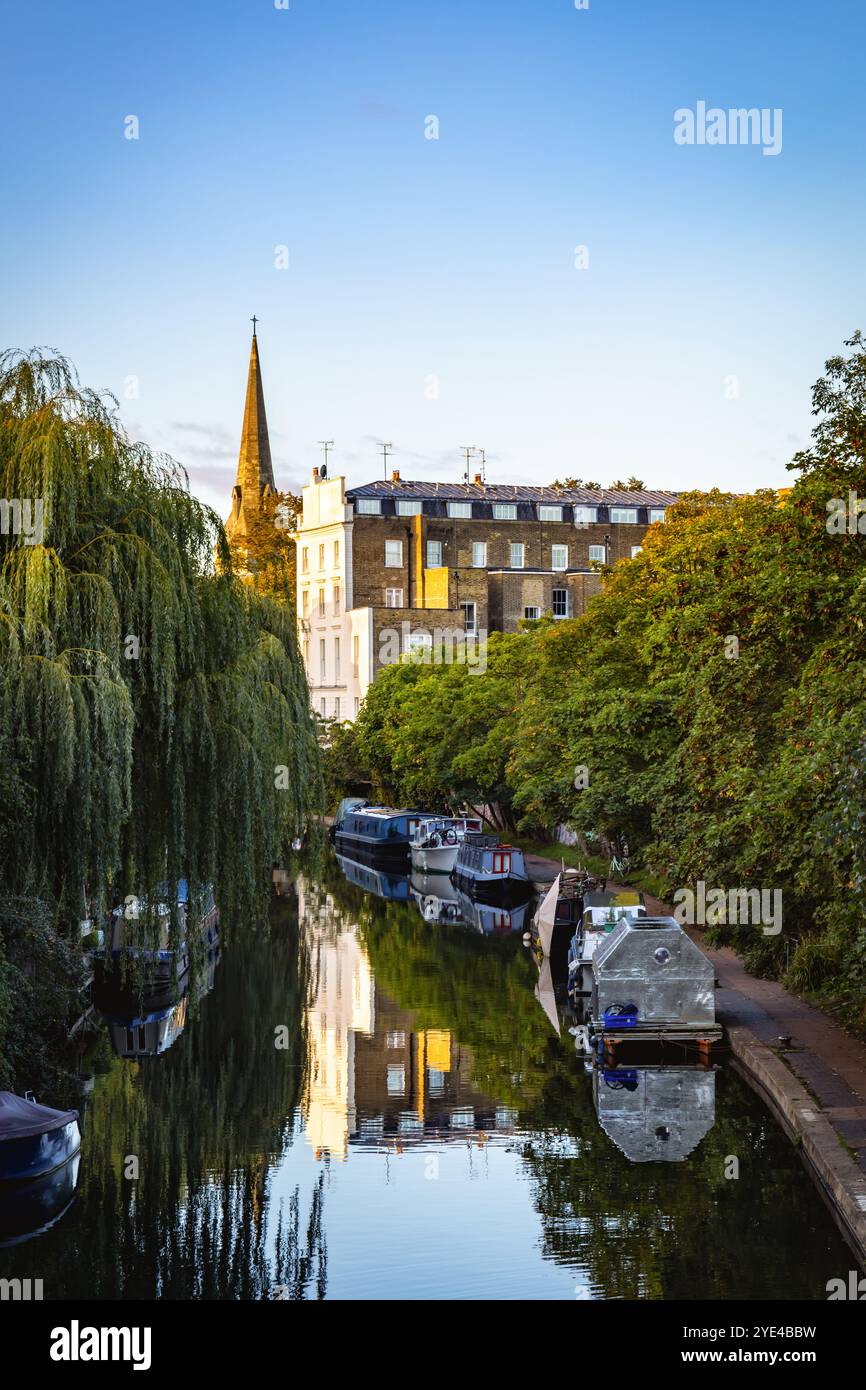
(559,557)
(560,603)
(356,647)
(321,603)
(656,514)
(305,560)
(394,555)
(307,655)
(624,516)
(434,555)
(597,553)
(532,614)
(585,516)
(337,708)
(336,555)
(468,617)
(321,557)
(323,671)
(357,704)
(479,555)
(368,506)
(550,514)
(396,1079)
(305,602)
(636,550)
(393,598)
(405,508)
(461,511)
(336,600)
(505,511)
(517,555)
(336,661)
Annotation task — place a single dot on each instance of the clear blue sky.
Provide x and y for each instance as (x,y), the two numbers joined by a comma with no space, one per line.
(413,258)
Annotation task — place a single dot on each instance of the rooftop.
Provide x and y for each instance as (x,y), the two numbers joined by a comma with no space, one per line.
(508,492)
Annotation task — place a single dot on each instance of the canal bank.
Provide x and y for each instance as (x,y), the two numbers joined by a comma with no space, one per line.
(810,1073)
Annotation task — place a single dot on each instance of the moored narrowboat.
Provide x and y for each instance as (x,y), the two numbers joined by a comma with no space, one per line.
(393,887)
(377,835)
(487,866)
(436,841)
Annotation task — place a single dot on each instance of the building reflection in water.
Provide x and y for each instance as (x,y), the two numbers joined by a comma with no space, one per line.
(374,1077)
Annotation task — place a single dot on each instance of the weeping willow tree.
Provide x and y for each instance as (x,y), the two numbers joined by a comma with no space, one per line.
(154,705)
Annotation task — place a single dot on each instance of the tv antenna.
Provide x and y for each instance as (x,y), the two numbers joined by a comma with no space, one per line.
(483,453)
(468,450)
(385,450)
(326,444)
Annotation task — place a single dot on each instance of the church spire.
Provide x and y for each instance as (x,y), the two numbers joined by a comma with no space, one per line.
(255,478)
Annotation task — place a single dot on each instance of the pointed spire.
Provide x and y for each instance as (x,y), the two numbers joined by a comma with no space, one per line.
(255,475)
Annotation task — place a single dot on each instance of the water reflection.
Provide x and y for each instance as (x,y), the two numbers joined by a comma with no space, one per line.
(366,1101)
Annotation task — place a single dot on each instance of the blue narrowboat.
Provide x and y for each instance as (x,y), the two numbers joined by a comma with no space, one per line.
(377,835)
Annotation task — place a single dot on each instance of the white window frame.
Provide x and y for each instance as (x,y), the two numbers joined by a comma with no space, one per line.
(305,559)
(368,506)
(393,598)
(479,548)
(636,550)
(597,559)
(323,658)
(436,547)
(460,511)
(336,661)
(504,511)
(556,591)
(532,613)
(408,506)
(517,555)
(305,603)
(389,547)
(322,608)
(470,625)
(336,555)
(563,565)
(585,516)
(623,516)
(656,514)
(548,512)
(337,707)
(335,599)
(322,556)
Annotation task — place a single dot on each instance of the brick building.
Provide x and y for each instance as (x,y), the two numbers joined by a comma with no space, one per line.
(392,567)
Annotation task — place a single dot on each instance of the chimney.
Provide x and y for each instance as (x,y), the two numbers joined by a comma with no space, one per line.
(395,476)
(315,475)
(478,479)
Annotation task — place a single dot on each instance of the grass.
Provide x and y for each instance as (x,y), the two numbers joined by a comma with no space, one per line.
(642,879)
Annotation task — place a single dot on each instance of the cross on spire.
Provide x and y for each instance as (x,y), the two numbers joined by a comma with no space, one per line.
(254,321)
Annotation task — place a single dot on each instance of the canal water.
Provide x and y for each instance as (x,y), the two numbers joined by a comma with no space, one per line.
(368,1100)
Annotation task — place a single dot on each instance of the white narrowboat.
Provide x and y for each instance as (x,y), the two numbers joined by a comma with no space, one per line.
(436,840)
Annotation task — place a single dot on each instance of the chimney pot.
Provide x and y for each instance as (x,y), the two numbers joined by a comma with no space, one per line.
(395,476)
(478,478)
(315,475)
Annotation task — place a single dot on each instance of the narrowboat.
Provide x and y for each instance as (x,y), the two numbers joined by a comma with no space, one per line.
(436,841)
(143,949)
(487,867)
(558,916)
(601,911)
(34,1139)
(390,886)
(650,981)
(377,835)
(349,803)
